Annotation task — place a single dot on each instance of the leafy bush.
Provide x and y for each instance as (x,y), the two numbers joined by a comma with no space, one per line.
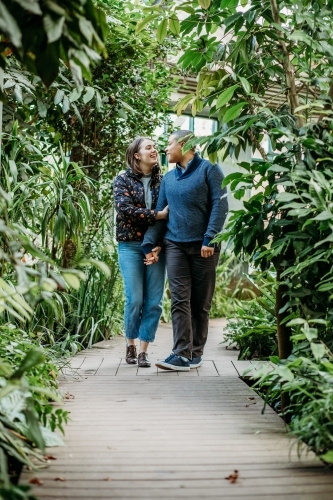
(253,330)
(253,327)
(307,377)
(27,418)
(228,288)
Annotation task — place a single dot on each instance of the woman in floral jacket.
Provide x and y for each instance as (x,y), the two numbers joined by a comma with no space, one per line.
(135,195)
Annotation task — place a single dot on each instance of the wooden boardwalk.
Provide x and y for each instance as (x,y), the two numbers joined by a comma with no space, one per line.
(148,434)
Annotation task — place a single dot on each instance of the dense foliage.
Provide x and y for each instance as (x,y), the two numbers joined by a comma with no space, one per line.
(265,70)
(41,34)
(27,419)
(307,379)
(252,328)
(61,148)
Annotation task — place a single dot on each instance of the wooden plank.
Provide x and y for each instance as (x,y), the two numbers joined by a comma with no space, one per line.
(90,365)
(104,488)
(108,367)
(164,483)
(241,366)
(225,368)
(272,475)
(125,422)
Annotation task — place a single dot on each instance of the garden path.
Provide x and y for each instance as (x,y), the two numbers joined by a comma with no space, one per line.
(150,434)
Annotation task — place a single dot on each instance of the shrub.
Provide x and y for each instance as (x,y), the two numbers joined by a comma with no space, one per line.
(307,377)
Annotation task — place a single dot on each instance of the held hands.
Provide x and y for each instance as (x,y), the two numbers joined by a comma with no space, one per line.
(152,257)
(207,251)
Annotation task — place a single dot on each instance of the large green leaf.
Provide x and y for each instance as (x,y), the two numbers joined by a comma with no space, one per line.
(285,196)
(182,103)
(30,6)
(53,27)
(318,350)
(233,112)
(204,3)
(226,96)
(325,215)
(90,92)
(174,24)
(145,21)
(9,26)
(162,30)
(228,4)
(245,84)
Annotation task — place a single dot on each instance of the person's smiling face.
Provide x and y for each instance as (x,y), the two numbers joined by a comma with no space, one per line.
(174,150)
(147,154)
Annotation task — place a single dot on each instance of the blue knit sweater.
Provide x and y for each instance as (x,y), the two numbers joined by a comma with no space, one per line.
(197,210)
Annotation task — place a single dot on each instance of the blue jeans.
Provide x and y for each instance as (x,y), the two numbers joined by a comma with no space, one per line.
(143,287)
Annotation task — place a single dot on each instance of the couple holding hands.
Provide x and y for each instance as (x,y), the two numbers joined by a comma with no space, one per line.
(168,223)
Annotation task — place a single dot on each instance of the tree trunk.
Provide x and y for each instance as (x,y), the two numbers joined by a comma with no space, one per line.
(287,66)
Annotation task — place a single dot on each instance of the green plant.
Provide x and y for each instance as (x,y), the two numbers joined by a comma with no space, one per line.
(8,490)
(307,377)
(41,34)
(231,286)
(253,330)
(284,223)
(22,436)
(15,344)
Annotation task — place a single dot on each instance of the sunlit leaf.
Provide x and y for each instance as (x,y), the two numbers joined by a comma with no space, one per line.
(162,30)
(90,92)
(226,96)
(145,21)
(318,350)
(174,24)
(204,3)
(233,112)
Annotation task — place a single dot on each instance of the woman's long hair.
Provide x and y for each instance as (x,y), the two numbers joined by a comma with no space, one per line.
(134,163)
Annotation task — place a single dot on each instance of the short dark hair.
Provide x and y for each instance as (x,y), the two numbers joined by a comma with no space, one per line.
(133,148)
(183,136)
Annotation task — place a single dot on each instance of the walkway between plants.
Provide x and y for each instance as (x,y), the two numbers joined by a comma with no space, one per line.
(147,434)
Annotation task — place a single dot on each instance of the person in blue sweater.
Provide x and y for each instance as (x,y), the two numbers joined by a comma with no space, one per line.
(198,208)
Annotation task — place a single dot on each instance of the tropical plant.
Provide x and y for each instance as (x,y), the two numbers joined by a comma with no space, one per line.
(231,286)
(61,150)
(23,436)
(307,377)
(253,326)
(235,69)
(40,34)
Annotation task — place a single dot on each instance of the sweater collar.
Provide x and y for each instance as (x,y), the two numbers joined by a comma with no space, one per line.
(191,166)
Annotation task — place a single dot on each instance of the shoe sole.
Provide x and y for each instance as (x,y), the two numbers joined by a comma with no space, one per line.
(144,366)
(196,366)
(166,366)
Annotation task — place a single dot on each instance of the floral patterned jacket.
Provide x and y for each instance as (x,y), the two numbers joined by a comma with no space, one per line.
(133,218)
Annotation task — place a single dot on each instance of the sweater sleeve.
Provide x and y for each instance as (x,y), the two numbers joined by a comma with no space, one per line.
(124,203)
(219,203)
(154,233)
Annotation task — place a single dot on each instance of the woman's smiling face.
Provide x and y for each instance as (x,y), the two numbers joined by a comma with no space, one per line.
(147,154)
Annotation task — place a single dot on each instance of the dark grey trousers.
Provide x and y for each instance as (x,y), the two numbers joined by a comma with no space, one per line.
(192,282)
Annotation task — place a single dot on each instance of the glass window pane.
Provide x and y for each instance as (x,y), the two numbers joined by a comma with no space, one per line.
(182,121)
(203,126)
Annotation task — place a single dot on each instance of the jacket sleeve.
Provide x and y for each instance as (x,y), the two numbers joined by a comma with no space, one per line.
(154,234)
(124,203)
(219,203)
